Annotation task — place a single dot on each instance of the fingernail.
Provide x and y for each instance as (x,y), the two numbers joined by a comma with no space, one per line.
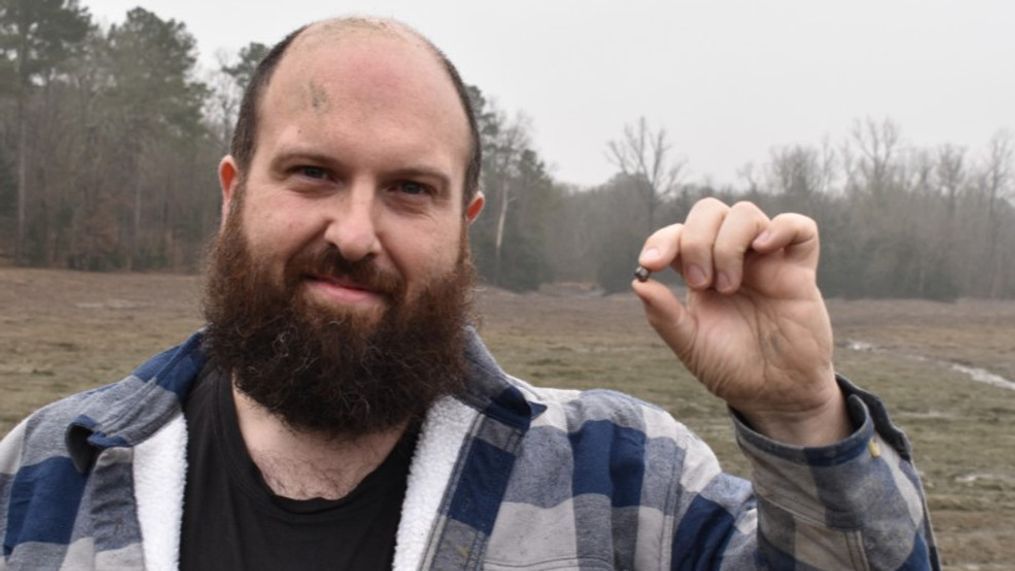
(722,282)
(649,254)
(695,276)
(763,237)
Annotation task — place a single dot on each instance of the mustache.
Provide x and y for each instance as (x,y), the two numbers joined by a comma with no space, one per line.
(328,261)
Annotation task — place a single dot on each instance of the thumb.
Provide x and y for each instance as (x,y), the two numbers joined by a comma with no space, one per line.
(667,316)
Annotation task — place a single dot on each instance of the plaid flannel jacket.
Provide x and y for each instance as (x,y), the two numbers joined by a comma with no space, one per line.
(507,476)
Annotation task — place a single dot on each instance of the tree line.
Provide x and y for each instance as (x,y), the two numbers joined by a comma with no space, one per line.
(110,137)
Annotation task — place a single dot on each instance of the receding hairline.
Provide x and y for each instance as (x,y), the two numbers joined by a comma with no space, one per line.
(331,33)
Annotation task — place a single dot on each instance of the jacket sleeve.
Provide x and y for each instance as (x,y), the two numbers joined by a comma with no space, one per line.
(10,463)
(856,504)
(40,492)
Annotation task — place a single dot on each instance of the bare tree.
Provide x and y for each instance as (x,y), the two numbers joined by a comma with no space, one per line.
(828,161)
(878,145)
(644,154)
(996,184)
(223,103)
(748,175)
(921,169)
(504,148)
(796,171)
(951,174)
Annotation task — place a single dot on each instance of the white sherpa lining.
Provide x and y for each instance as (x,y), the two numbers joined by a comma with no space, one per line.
(447,424)
(160,471)
(160,468)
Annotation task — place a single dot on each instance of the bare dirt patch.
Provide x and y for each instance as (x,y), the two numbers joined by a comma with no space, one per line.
(61,332)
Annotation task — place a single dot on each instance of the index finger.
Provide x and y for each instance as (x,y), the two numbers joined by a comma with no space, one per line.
(796,233)
(661,248)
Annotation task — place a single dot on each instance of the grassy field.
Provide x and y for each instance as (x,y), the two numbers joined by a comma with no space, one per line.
(61,332)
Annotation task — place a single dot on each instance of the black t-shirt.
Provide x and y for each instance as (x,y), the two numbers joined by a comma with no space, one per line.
(232,519)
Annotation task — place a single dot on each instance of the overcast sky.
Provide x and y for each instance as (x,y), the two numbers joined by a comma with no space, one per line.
(728,79)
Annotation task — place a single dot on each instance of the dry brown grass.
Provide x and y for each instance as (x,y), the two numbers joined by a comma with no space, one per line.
(61,332)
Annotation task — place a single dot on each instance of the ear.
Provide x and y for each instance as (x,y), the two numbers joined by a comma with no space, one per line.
(475,207)
(229,181)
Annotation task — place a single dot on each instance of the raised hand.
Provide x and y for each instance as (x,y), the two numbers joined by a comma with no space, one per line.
(754,328)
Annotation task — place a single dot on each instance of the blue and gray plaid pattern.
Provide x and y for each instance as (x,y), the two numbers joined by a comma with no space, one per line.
(543,479)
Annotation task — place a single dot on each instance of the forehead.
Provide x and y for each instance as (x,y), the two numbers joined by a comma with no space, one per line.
(362,83)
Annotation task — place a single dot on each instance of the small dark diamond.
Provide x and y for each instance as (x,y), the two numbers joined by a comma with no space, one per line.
(642,274)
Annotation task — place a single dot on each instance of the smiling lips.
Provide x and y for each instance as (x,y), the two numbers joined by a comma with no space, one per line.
(343,290)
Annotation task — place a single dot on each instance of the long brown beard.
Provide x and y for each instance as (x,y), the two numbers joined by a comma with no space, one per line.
(342,374)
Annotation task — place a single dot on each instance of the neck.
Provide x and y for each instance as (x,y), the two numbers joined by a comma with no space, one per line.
(302,464)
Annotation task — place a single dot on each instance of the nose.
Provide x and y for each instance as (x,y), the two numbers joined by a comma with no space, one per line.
(352,225)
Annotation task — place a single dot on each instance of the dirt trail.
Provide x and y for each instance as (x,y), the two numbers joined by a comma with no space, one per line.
(977,374)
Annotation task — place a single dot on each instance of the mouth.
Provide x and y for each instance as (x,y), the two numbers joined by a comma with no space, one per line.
(341,289)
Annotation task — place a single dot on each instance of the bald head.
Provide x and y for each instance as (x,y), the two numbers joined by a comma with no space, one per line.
(341,29)
(330,35)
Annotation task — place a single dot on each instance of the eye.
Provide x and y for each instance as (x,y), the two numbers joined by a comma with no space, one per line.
(312,172)
(412,188)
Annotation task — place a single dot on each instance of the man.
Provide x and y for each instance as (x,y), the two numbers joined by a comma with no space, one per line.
(339,412)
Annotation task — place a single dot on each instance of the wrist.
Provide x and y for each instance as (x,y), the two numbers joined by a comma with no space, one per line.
(820,426)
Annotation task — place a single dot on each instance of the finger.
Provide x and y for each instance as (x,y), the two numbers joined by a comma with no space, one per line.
(667,316)
(660,248)
(742,225)
(696,241)
(795,233)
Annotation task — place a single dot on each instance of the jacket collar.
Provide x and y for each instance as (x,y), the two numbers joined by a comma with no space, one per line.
(127,413)
(489,390)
